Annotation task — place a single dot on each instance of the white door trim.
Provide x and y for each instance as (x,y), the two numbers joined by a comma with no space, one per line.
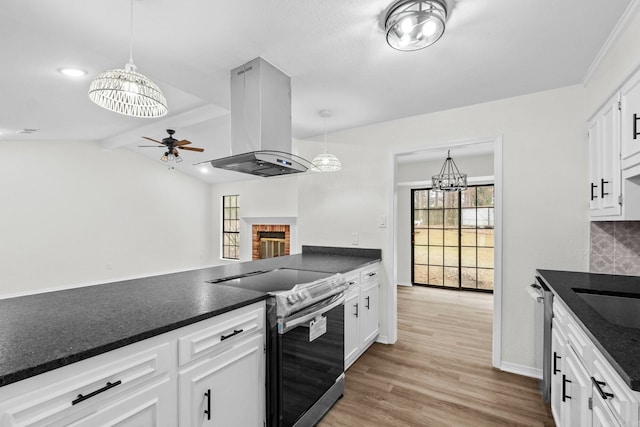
(392,305)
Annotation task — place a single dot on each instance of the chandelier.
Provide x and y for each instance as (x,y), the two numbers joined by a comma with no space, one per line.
(125,91)
(449,178)
(325,161)
(415,24)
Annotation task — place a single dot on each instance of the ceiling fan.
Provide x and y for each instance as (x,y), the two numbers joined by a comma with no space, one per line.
(172,146)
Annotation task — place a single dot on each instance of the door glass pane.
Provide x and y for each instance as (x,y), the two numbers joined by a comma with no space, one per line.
(451,276)
(436,236)
(468,257)
(421,255)
(485,278)
(468,236)
(421,274)
(485,257)
(485,237)
(436,256)
(436,199)
(485,195)
(468,279)
(468,197)
(451,257)
(436,275)
(421,236)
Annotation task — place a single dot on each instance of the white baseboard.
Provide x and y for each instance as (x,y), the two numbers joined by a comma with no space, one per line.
(383,339)
(405,284)
(526,371)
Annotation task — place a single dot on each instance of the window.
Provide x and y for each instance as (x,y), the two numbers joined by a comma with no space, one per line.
(452,240)
(231,227)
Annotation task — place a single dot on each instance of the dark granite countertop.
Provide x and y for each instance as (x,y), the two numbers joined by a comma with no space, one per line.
(46,331)
(618,344)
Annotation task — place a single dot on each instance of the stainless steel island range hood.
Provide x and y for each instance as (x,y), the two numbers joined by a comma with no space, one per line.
(261,122)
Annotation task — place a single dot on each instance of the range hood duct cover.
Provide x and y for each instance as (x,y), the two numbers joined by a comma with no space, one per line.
(261,122)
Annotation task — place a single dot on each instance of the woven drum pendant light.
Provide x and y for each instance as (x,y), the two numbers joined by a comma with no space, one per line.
(125,91)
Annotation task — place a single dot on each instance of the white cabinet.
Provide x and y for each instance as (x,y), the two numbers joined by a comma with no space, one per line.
(585,389)
(604,161)
(614,156)
(361,312)
(137,385)
(226,390)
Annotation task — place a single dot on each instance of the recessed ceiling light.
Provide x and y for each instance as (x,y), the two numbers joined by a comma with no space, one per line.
(72,72)
(204,169)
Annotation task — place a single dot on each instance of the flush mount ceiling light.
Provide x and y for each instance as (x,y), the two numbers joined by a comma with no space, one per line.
(325,162)
(72,72)
(449,178)
(415,24)
(127,91)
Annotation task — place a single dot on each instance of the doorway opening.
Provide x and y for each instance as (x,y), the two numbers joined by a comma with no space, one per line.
(452,238)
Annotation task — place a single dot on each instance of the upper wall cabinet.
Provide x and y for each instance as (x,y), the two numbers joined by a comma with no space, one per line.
(604,161)
(614,156)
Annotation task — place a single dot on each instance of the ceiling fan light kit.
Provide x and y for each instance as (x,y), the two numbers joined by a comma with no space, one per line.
(172,145)
(125,91)
(415,24)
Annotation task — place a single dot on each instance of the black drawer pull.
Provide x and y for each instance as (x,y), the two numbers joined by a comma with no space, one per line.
(353,282)
(368,308)
(593,187)
(82,397)
(356,306)
(555,365)
(235,332)
(564,388)
(635,126)
(372,274)
(598,385)
(207,411)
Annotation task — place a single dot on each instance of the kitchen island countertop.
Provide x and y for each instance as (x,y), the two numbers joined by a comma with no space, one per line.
(618,344)
(45,331)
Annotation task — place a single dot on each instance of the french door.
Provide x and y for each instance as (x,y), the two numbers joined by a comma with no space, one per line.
(453,238)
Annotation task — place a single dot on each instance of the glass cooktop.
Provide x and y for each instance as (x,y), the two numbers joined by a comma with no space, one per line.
(619,308)
(282,279)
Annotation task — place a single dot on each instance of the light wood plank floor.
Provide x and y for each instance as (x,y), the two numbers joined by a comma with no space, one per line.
(439,371)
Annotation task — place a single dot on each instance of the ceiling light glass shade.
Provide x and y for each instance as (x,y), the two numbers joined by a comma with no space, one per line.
(415,24)
(128,92)
(326,162)
(449,178)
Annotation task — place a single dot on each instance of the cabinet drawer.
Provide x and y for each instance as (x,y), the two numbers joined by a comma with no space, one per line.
(54,401)
(579,342)
(220,333)
(352,278)
(369,274)
(619,399)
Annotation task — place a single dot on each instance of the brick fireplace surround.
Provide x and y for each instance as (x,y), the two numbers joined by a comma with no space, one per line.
(255,237)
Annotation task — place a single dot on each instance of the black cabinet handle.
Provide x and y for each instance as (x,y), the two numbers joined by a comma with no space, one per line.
(593,187)
(555,360)
(602,183)
(372,274)
(235,332)
(368,308)
(207,411)
(356,306)
(635,126)
(598,385)
(93,393)
(564,388)
(353,282)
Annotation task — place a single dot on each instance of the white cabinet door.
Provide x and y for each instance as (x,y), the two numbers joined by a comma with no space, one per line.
(369,307)
(604,161)
(576,392)
(602,416)
(558,348)
(630,121)
(149,406)
(226,390)
(351,325)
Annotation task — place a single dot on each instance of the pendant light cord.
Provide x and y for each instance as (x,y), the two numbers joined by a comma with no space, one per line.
(131,36)
(325,135)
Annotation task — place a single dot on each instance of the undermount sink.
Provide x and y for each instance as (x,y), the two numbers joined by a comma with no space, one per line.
(620,308)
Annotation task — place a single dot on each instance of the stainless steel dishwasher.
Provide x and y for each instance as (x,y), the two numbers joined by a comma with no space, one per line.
(544,296)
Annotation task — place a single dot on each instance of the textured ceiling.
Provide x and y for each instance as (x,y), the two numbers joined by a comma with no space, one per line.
(334,51)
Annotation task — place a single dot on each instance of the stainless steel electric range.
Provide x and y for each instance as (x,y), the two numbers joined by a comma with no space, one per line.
(305,342)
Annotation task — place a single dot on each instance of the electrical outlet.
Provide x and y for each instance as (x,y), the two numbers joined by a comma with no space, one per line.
(355,238)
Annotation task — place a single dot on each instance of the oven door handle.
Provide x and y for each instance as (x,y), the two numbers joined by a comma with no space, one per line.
(321,308)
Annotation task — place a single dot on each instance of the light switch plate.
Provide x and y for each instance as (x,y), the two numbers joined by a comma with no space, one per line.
(382,221)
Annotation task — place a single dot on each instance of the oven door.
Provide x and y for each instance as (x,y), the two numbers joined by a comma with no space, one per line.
(311,348)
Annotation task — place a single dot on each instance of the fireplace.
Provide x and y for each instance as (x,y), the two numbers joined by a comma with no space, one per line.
(270,240)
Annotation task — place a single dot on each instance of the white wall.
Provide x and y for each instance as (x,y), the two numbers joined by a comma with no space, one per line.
(69,209)
(413,172)
(544,168)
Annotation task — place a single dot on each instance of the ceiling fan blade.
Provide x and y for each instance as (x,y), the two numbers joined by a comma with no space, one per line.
(183,142)
(150,146)
(199,150)
(151,139)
